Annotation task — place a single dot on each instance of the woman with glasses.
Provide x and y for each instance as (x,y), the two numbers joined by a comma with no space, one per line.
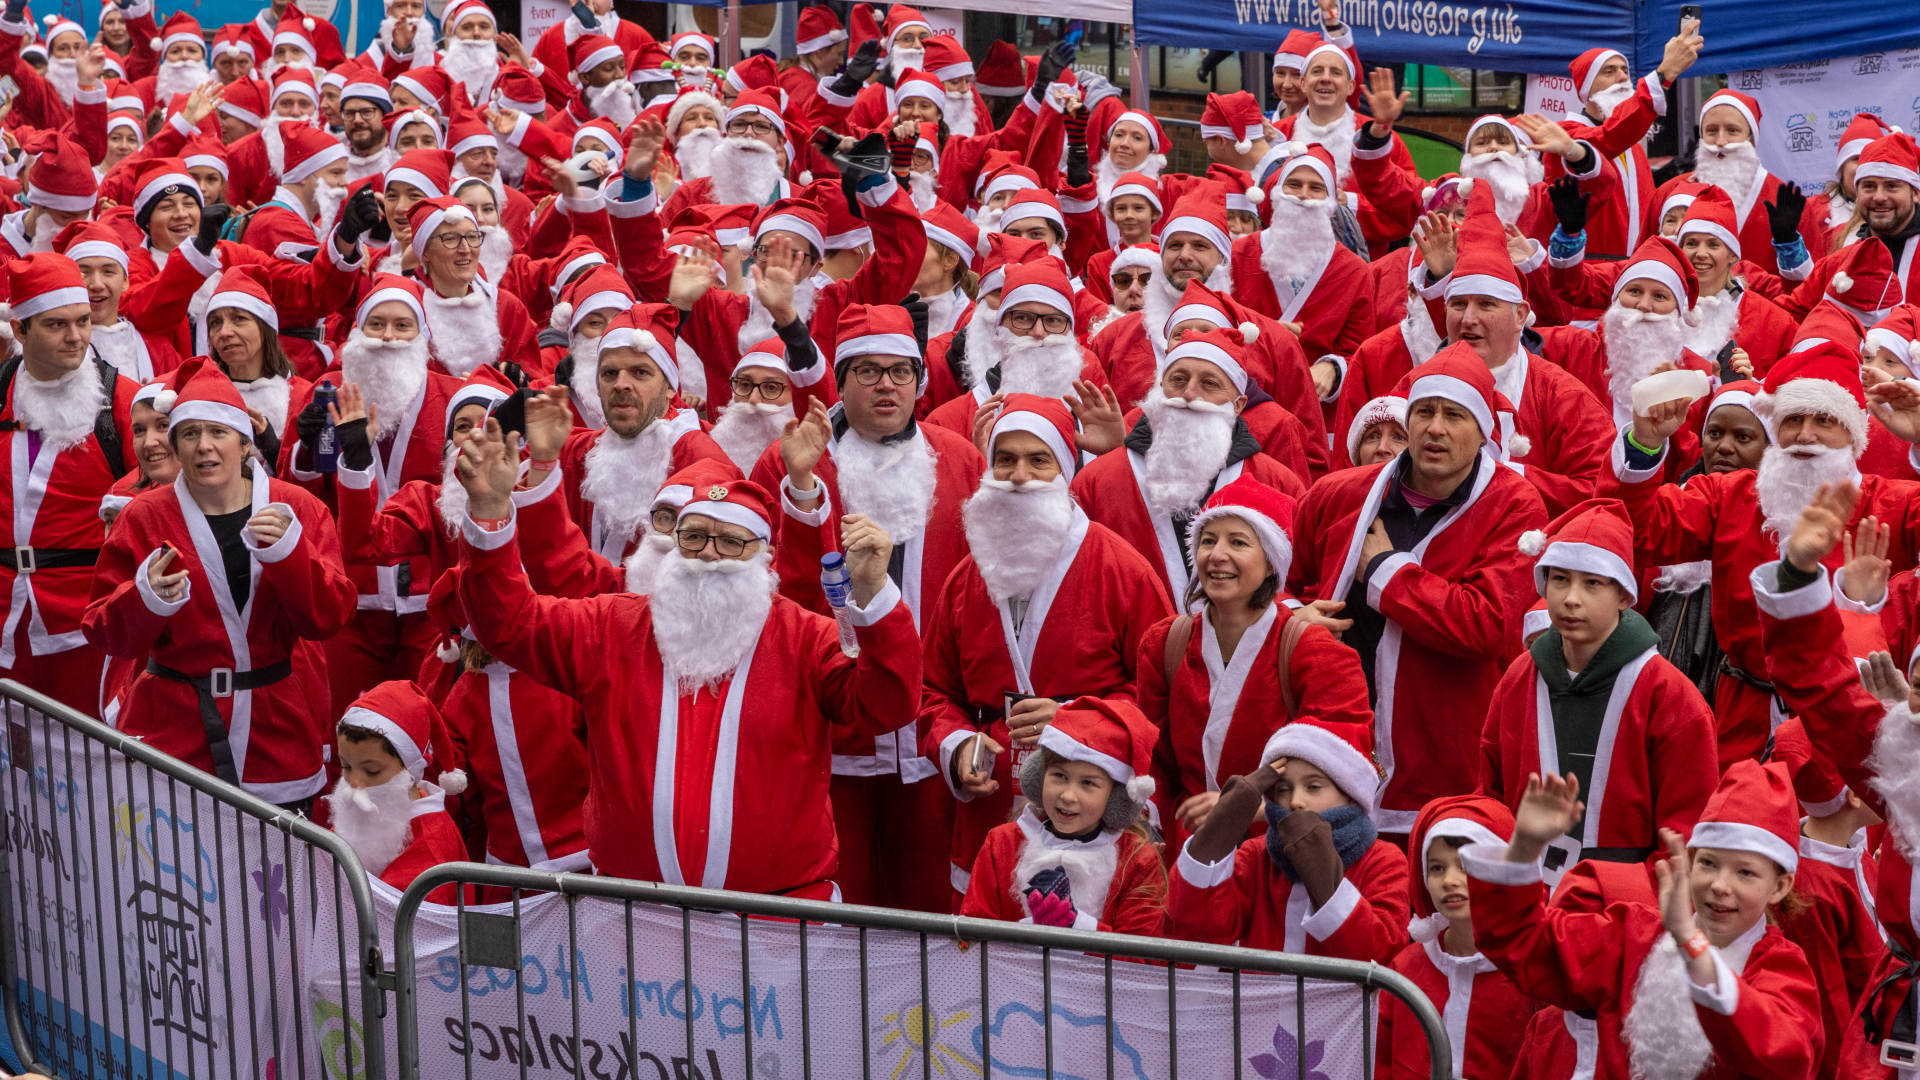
(472,322)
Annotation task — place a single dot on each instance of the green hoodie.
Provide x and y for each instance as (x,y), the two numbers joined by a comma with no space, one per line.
(1579,703)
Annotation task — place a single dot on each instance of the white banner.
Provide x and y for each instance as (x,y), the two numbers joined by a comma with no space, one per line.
(1551,96)
(1804,108)
(536,16)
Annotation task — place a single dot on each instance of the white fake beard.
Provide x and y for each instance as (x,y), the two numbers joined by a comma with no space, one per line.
(943,310)
(1719,321)
(1664,1037)
(452,500)
(1299,240)
(44,230)
(328,202)
(622,476)
(376,822)
(121,346)
(695,152)
(1418,333)
(891,484)
(1114,314)
(759,324)
(1089,870)
(1106,174)
(921,187)
(745,170)
(389,373)
(988,220)
(1612,97)
(1191,440)
(1638,342)
(465,330)
(1045,366)
(618,101)
(982,344)
(708,615)
(1161,296)
(496,247)
(268,397)
(276,148)
(1731,168)
(746,428)
(179,77)
(1685,578)
(473,64)
(359,168)
(1337,137)
(1895,763)
(903,60)
(63,410)
(1016,531)
(1785,484)
(513,164)
(64,76)
(643,566)
(958,111)
(693,371)
(1509,174)
(585,380)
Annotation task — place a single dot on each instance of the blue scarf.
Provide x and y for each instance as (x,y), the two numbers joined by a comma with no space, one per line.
(1353,834)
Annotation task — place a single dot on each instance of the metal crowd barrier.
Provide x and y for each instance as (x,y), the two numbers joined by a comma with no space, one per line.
(156,922)
(1188,150)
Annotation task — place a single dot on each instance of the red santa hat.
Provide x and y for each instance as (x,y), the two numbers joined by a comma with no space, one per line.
(158,178)
(205,152)
(1538,620)
(1741,392)
(90,240)
(386,287)
(39,283)
(1864,128)
(1233,116)
(1110,733)
(245,288)
(1310,156)
(1594,537)
(1203,213)
(1520,138)
(230,40)
(1269,513)
(246,101)
(470,133)
(1156,136)
(1046,418)
(429,85)
(1222,348)
(735,502)
(431,171)
(295,28)
(123,96)
(899,17)
(1140,184)
(602,129)
(589,51)
(1002,73)
(1483,267)
(1660,260)
(873,330)
(684,102)
(519,90)
(798,216)
(692,37)
(1586,66)
(60,24)
(486,386)
(1328,48)
(1865,282)
(1711,213)
(1041,281)
(1816,782)
(600,288)
(1753,809)
(1138,257)
(819,28)
(62,177)
(427,215)
(1747,107)
(646,328)
(402,714)
(131,121)
(1343,751)
(732,224)
(916,84)
(950,229)
(770,354)
(368,85)
(698,477)
(759,103)
(1007,176)
(1899,334)
(1003,252)
(1034,203)
(1242,193)
(203,392)
(180,27)
(1218,309)
(397,123)
(1829,321)
(1293,50)
(927,137)
(308,150)
(1377,411)
(945,59)
(843,230)
(458,11)
(1477,819)
(296,81)
(1821,381)
(1457,374)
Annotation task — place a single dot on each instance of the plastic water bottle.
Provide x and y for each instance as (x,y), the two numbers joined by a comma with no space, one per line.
(838,585)
(326,449)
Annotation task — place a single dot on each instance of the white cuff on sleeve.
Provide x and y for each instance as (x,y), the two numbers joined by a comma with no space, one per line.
(844,102)
(152,599)
(1846,603)
(1587,167)
(1323,924)
(1203,875)
(877,196)
(351,264)
(354,479)
(583,204)
(1361,153)
(180,125)
(1808,599)
(950,746)
(1628,475)
(207,265)
(1657,92)
(280,548)
(1389,566)
(1339,374)
(815,517)
(1533,261)
(641,207)
(876,608)
(95,96)
(488,541)
(1085,921)
(1488,862)
(1724,995)
(549,484)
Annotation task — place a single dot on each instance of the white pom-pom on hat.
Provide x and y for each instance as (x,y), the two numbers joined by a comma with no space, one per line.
(644,340)
(1519,446)
(164,401)
(156,43)
(1243,146)
(1533,542)
(1249,332)
(307,23)
(1425,928)
(806,176)
(1913,351)
(562,315)
(453,781)
(6,321)
(1255,195)
(1692,316)
(50,19)
(1141,788)
(449,652)
(1841,282)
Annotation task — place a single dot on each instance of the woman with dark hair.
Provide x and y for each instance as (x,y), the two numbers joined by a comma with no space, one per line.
(243,337)
(1220,681)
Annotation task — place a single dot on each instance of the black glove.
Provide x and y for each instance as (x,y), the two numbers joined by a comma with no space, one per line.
(1052,63)
(864,61)
(1569,205)
(869,157)
(16,10)
(123,5)
(308,425)
(381,233)
(1783,214)
(1079,169)
(213,218)
(917,311)
(588,20)
(356,449)
(359,216)
(512,413)
(515,374)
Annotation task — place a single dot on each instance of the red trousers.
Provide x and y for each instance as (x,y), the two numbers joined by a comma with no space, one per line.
(893,841)
(375,647)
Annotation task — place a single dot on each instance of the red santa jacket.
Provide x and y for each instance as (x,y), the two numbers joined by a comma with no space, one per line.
(1216,716)
(1838,932)
(300,592)
(1245,900)
(1615,226)
(1117,873)
(1090,614)
(1334,310)
(1760,327)
(1486,1016)
(458,350)
(1656,765)
(680,427)
(1750,215)
(434,839)
(1819,280)
(1453,607)
(770,722)
(522,746)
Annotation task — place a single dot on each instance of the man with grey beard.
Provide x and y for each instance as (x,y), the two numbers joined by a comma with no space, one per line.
(1816,412)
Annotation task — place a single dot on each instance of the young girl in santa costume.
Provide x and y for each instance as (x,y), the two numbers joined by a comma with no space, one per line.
(1321,881)
(383,804)
(1703,985)
(1077,855)
(1486,1015)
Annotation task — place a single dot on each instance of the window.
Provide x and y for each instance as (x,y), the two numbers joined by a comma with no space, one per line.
(1453,89)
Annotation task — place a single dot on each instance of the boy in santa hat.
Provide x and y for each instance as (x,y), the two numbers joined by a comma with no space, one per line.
(1320,881)
(1705,981)
(1485,1014)
(383,805)
(1078,854)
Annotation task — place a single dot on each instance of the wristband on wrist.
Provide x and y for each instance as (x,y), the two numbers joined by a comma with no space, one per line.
(548,465)
(1635,443)
(1696,946)
(491,524)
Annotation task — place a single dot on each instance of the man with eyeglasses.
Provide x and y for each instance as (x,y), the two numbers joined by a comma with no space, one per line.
(867,457)
(762,401)
(747,685)
(749,165)
(365,102)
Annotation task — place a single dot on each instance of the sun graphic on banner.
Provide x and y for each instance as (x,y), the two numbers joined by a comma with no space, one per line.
(902,1027)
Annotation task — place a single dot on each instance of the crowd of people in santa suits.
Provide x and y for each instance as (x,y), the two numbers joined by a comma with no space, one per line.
(872,476)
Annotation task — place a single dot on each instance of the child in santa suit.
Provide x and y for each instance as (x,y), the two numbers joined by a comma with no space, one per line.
(383,805)
(1077,854)
(1486,1015)
(1321,881)
(1702,985)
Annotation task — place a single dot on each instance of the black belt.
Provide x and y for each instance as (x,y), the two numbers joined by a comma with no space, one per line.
(46,558)
(219,683)
(1616,854)
(304,333)
(1727,668)
(1903,1021)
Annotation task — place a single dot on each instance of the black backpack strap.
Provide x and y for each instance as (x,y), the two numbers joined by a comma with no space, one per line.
(7,369)
(105,431)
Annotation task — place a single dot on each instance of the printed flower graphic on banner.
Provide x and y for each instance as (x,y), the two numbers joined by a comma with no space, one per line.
(1284,1062)
(273,894)
(902,1027)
